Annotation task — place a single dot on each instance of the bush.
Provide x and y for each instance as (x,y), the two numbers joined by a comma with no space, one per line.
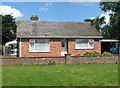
(77,54)
(1,49)
(106,53)
(88,53)
(95,53)
(91,53)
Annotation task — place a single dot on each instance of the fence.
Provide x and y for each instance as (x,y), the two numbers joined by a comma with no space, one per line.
(68,59)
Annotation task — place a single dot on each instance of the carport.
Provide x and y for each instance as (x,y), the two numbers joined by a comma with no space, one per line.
(106,45)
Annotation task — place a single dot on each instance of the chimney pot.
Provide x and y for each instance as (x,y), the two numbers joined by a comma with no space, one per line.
(34,18)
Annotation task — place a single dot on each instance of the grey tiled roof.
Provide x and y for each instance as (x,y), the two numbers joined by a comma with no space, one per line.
(56,29)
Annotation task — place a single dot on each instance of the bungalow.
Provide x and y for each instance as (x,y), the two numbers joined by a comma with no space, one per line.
(56,38)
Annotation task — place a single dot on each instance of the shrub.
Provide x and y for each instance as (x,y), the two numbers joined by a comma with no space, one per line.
(106,53)
(91,53)
(77,54)
(95,53)
(88,53)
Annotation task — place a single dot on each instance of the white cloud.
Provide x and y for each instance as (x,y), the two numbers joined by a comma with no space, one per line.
(46,9)
(48,4)
(6,10)
(92,18)
(106,15)
(43,9)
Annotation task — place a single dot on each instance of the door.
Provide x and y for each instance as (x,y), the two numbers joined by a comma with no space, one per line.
(63,47)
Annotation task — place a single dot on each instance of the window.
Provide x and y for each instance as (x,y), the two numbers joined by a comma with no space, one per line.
(39,45)
(63,44)
(84,44)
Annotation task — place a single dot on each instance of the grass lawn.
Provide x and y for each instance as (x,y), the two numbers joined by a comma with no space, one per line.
(61,75)
(7,57)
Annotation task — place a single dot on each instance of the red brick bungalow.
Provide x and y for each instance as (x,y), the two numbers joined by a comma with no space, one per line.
(53,38)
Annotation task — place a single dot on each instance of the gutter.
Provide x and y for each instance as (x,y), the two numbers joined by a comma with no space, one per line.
(109,40)
(61,36)
(20,46)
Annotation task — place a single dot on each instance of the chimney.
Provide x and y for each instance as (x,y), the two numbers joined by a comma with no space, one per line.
(34,18)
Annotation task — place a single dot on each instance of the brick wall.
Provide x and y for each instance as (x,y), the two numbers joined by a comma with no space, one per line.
(32,61)
(73,51)
(55,49)
(91,59)
(68,59)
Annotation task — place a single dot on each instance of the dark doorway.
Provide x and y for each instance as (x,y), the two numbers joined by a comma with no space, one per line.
(106,46)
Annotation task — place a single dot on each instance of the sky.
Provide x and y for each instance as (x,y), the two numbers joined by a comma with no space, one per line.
(53,11)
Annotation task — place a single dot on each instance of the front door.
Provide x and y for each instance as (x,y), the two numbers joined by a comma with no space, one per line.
(63,47)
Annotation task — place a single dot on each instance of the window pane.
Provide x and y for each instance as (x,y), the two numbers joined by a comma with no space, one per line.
(37,46)
(31,46)
(42,45)
(63,43)
(83,43)
(91,44)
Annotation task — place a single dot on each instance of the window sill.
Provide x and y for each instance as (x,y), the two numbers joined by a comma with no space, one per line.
(85,48)
(39,51)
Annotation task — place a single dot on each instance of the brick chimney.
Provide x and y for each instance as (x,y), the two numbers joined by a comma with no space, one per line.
(34,18)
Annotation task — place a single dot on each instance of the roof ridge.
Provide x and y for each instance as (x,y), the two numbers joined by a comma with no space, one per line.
(52,21)
(56,28)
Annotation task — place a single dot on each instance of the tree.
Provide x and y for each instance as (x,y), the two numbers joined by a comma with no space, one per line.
(97,22)
(8,28)
(114,7)
(111,30)
(105,31)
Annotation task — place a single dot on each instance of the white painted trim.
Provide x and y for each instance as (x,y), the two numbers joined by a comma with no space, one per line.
(64,49)
(84,47)
(34,46)
(20,46)
(60,36)
(39,51)
(109,40)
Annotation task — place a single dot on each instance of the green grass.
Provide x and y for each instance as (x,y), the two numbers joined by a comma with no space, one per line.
(7,57)
(61,75)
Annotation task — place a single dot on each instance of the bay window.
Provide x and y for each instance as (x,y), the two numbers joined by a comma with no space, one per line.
(84,44)
(39,45)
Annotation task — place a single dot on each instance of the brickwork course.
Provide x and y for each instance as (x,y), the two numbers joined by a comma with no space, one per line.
(68,59)
(55,48)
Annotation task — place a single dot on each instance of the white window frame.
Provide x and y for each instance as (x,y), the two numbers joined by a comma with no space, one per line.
(85,47)
(34,45)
